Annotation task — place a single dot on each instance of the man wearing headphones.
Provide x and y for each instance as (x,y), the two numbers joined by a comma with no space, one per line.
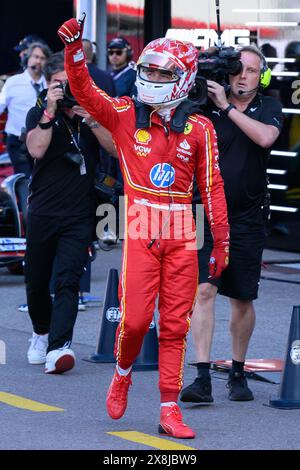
(247,124)
(119,53)
(23,47)
(18,95)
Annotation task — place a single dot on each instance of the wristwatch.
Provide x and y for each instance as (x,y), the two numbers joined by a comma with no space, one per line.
(93,125)
(229,108)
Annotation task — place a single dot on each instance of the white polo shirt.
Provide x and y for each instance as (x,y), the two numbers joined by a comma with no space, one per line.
(18,96)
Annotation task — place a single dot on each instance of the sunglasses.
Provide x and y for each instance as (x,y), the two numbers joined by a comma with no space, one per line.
(117,52)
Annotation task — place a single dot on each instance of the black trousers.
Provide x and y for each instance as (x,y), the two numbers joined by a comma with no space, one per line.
(85,280)
(66,239)
(240,280)
(18,153)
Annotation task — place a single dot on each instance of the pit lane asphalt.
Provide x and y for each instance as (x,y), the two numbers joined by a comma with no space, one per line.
(84,424)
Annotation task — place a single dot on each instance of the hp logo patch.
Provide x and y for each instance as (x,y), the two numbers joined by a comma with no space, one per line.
(162,175)
(113,314)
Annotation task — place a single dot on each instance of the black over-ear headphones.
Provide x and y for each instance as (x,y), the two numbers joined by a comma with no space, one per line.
(121,43)
(129,52)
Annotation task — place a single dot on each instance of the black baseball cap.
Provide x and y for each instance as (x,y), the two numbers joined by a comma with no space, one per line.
(26,41)
(118,43)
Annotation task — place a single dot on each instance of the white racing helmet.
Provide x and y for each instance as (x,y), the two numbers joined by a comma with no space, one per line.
(177,58)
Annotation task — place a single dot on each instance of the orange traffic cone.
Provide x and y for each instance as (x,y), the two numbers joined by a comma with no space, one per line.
(289,397)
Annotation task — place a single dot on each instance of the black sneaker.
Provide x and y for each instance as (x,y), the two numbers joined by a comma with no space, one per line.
(238,387)
(198,392)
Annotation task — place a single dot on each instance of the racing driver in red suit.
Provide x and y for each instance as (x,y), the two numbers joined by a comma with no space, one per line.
(161,144)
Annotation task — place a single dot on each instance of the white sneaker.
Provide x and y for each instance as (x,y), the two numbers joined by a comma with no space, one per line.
(23,308)
(37,351)
(81,304)
(60,360)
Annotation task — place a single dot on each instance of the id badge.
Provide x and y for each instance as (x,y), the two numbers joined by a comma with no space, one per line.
(82,167)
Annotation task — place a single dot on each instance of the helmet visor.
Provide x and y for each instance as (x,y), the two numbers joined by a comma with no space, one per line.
(160,61)
(157,75)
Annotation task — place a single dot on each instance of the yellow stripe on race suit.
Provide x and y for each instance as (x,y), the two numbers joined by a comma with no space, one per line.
(210,160)
(180,381)
(184,341)
(180,377)
(144,189)
(119,109)
(208,149)
(67,29)
(111,100)
(123,282)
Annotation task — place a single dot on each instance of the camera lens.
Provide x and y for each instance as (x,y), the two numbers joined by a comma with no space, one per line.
(68,100)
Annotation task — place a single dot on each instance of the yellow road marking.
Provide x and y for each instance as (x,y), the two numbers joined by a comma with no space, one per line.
(21,402)
(151,441)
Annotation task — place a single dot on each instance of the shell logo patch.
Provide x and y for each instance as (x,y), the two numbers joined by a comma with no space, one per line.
(142,136)
(188,128)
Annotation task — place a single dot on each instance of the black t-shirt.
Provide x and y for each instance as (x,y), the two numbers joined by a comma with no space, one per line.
(57,187)
(243,163)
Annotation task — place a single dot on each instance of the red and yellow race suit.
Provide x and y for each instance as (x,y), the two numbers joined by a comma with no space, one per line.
(158,166)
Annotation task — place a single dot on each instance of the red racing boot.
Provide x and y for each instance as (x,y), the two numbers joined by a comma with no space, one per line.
(116,400)
(171,423)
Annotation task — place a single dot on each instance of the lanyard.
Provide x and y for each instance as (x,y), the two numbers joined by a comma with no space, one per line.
(75,140)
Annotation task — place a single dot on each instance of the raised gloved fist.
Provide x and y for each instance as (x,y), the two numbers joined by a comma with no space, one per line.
(71,30)
(219,258)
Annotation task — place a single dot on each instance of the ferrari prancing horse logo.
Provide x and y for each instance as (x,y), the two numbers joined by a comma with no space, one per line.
(188,128)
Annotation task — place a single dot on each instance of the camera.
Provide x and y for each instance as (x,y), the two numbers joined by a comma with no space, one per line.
(215,64)
(68,100)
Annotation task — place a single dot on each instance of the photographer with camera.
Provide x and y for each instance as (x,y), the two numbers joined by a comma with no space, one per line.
(247,124)
(61,215)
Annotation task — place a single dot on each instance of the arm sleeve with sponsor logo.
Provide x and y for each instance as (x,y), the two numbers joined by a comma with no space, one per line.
(104,109)
(209,179)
